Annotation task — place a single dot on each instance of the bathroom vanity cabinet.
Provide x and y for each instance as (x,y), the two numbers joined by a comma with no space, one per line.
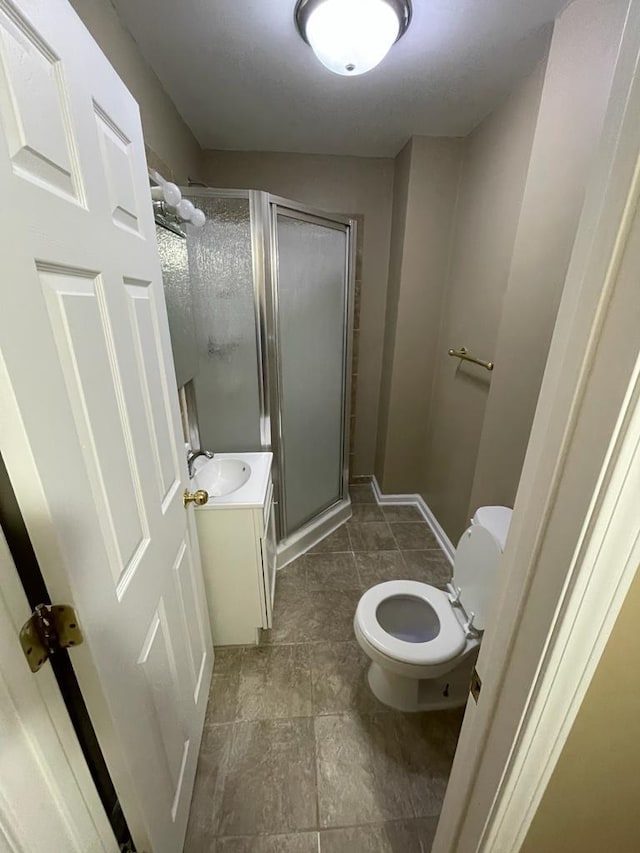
(238,549)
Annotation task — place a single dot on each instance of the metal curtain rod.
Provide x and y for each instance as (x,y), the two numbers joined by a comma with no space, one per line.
(463,354)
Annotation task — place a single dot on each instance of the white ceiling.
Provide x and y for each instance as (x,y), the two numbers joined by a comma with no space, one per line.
(243,79)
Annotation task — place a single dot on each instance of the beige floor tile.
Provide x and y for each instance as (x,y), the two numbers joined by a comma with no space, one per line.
(300,842)
(270,783)
(398,836)
(398,512)
(362,494)
(330,571)
(427,744)
(376,567)
(334,542)
(209,788)
(366,512)
(373,536)
(413,536)
(339,678)
(314,616)
(430,567)
(275,682)
(362,777)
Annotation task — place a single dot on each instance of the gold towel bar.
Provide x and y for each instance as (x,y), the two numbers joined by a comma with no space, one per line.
(463,354)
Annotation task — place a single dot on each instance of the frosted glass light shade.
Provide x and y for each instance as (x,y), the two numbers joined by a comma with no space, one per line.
(350,37)
(167,192)
(185,209)
(198,218)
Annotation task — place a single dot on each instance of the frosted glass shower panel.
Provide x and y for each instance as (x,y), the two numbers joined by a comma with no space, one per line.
(226,386)
(177,292)
(312,288)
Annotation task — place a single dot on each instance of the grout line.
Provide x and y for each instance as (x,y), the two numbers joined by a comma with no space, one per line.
(311,690)
(317,554)
(316,774)
(381,822)
(393,536)
(359,576)
(349,536)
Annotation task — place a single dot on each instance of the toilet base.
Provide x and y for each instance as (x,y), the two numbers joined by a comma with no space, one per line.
(422,694)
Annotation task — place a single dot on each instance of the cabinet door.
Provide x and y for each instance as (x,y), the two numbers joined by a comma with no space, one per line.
(268,545)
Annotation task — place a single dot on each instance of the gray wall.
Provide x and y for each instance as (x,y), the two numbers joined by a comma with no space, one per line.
(425,191)
(401,173)
(350,185)
(171,147)
(524,174)
(491,189)
(576,90)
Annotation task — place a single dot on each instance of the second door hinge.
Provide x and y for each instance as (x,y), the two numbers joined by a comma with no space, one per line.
(49,628)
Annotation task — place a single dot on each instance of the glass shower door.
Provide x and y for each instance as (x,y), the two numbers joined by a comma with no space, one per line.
(312,311)
(228,383)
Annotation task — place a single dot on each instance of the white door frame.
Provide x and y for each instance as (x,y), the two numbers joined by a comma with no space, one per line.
(573,547)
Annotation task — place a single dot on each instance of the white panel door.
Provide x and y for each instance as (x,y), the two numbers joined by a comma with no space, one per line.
(90,430)
(48,801)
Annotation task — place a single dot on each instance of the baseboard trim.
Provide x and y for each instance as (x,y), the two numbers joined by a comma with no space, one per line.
(419,502)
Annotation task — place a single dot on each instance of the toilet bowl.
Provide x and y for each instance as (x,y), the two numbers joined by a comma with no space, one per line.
(422,641)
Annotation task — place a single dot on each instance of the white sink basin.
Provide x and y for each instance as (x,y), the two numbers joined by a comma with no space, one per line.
(233,480)
(222,477)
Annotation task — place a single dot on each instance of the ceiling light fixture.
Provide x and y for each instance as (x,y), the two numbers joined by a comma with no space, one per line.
(351,37)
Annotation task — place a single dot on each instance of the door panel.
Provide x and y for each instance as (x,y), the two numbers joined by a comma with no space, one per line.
(147,350)
(92,436)
(191,611)
(35,111)
(118,170)
(93,387)
(158,665)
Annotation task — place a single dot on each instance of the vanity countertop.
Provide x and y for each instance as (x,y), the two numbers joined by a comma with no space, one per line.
(252,494)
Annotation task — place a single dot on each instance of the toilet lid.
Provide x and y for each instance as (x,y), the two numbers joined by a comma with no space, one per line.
(445,644)
(495,519)
(475,570)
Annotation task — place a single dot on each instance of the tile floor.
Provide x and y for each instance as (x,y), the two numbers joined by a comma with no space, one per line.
(298,756)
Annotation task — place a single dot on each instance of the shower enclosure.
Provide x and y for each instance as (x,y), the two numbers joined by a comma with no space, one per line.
(272,289)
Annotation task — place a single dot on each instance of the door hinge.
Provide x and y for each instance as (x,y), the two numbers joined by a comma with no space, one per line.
(476,685)
(49,628)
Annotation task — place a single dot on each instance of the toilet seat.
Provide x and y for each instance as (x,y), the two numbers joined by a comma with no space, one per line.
(447,644)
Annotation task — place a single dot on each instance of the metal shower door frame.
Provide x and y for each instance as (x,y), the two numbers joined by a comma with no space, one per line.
(263,211)
(331,516)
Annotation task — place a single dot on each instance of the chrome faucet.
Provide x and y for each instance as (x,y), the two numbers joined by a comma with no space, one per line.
(192,455)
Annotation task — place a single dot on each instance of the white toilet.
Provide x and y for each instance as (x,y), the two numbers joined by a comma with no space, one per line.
(423,642)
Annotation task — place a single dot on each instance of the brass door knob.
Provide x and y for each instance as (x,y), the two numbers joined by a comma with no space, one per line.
(198,498)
